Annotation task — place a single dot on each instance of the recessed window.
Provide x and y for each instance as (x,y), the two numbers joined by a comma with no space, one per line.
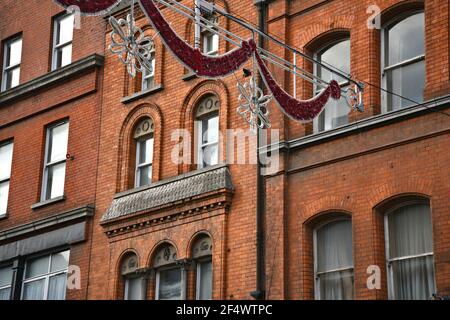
(403,62)
(11,63)
(207,119)
(45,277)
(6,152)
(169,284)
(62,41)
(143,136)
(409,251)
(335,113)
(202,253)
(148,78)
(210,43)
(333,260)
(6,276)
(135,284)
(55,161)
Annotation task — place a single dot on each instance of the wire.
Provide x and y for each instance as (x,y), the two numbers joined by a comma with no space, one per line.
(322,63)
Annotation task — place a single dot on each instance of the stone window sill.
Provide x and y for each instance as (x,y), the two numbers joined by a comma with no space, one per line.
(48,202)
(142,94)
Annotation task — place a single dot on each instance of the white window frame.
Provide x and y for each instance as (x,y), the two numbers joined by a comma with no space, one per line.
(46,276)
(140,166)
(6,66)
(8,179)
(318,89)
(386,99)
(166,268)
(199,273)
(149,76)
(143,286)
(214,37)
(11,283)
(47,164)
(202,146)
(389,260)
(316,273)
(56,46)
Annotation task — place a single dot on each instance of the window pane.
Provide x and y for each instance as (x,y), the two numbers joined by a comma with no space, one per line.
(335,114)
(145,175)
(6,152)
(65,33)
(6,276)
(336,285)
(37,267)
(407,81)
(60,261)
(14,52)
(213,129)
(34,290)
(205,285)
(4,192)
(410,231)
(211,155)
(57,287)
(170,284)
(146,151)
(134,289)
(413,278)
(406,39)
(58,142)
(334,246)
(12,78)
(339,57)
(55,180)
(5,294)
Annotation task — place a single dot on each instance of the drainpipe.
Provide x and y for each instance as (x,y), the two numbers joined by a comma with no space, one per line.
(197,30)
(259,293)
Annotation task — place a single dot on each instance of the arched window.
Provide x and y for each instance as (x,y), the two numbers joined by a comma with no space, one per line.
(148,78)
(143,137)
(403,61)
(335,113)
(333,260)
(170,283)
(202,253)
(207,119)
(135,284)
(409,251)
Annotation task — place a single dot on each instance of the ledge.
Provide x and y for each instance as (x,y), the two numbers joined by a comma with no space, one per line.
(51,78)
(169,191)
(47,202)
(142,94)
(63,217)
(189,76)
(358,126)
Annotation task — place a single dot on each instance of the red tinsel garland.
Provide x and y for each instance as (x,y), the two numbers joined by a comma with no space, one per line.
(90,7)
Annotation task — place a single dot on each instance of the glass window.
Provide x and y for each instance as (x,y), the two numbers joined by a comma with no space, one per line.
(168,283)
(6,151)
(334,261)
(335,113)
(62,41)
(143,136)
(134,288)
(410,252)
(209,145)
(148,78)
(403,48)
(11,63)
(45,277)
(55,161)
(210,43)
(6,274)
(204,280)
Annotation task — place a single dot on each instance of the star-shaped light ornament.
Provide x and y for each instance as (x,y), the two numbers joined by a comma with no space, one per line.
(133,47)
(253,105)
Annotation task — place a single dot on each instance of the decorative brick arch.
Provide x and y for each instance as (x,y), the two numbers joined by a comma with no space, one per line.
(155,248)
(187,117)
(125,157)
(194,238)
(325,205)
(119,285)
(421,187)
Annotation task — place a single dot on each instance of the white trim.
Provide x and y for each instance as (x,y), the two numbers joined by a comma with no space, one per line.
(139,166)
(7,67)
(57,46)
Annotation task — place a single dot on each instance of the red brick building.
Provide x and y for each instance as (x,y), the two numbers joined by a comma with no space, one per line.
(355,195)
(50,107)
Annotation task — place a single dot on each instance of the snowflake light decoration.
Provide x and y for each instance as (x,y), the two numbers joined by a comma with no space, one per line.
(131,45)
(252,105)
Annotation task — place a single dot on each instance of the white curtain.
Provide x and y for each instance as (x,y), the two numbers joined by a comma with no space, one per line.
(135,288)
(334,251)
(410,234)
(34,290)
(57,287)
(5,294)
(205,285)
